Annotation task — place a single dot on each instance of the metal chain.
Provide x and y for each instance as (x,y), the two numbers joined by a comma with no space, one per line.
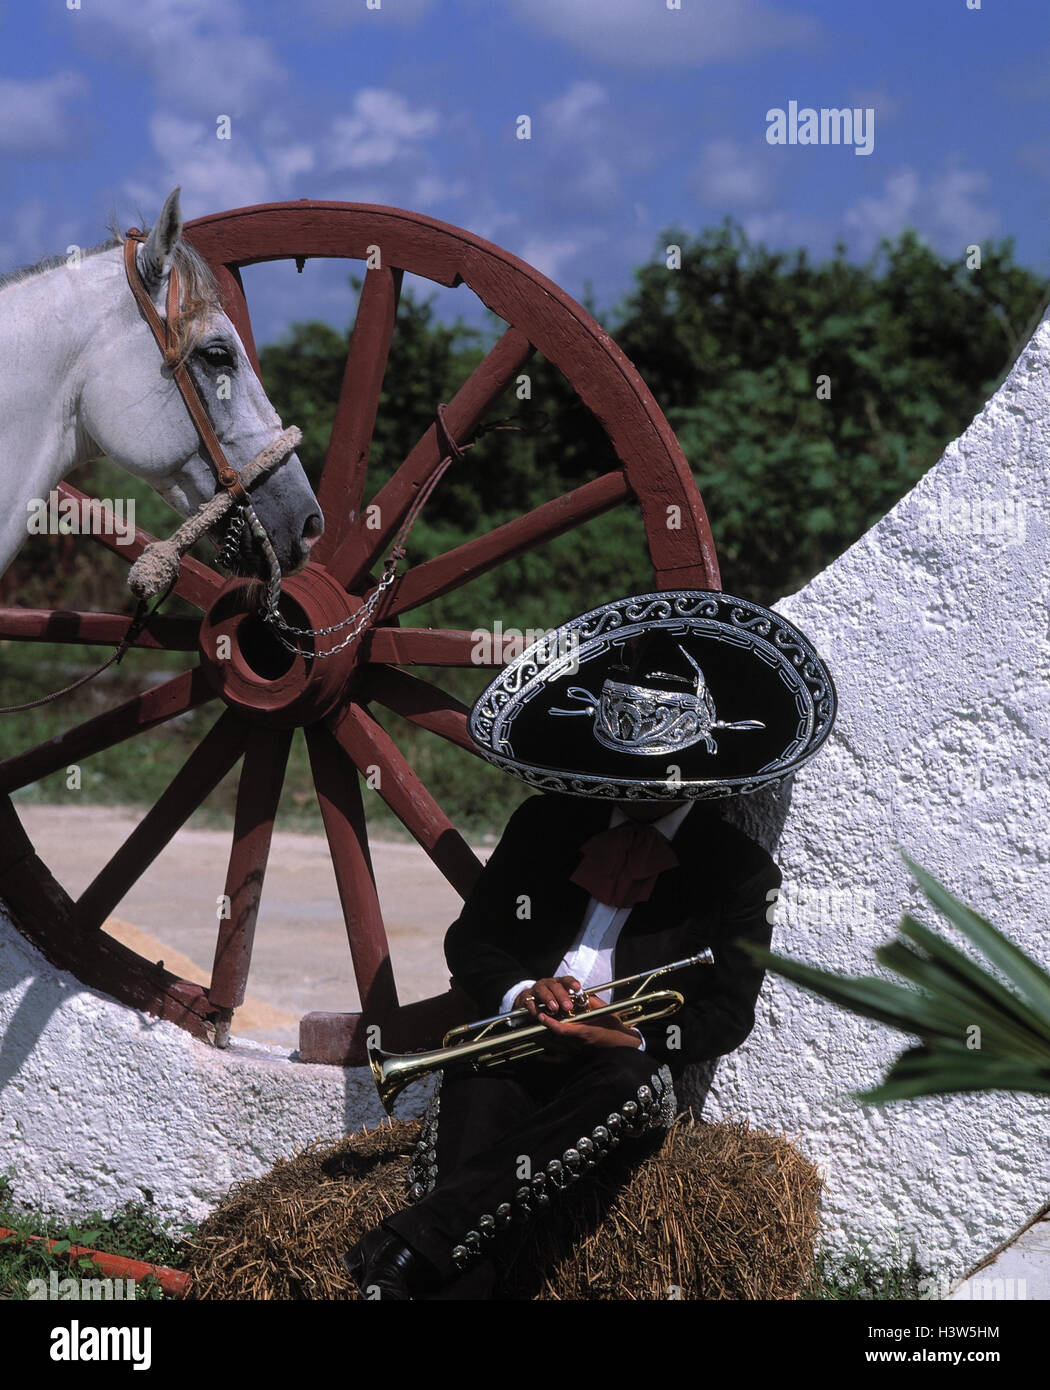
(231,543)
(360,620)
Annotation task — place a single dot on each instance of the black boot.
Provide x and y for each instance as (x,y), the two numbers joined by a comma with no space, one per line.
(382,1264)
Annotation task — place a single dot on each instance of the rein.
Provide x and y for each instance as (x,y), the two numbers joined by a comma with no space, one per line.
(139,620)
(371,608)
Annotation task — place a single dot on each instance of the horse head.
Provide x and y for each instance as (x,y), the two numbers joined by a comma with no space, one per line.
(132,410)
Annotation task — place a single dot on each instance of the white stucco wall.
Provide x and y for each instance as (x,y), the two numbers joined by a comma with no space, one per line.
(939,646)
(938,642)
(100,1104)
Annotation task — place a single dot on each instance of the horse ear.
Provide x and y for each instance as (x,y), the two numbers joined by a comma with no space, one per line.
(155,256)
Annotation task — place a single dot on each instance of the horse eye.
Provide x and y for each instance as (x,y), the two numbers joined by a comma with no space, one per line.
(216,355)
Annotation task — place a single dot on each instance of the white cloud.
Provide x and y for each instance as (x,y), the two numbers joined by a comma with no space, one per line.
(582,150)
(30,231)
(382,143)
(577,111)
(548,254)
(885,106)
(381,129)
(214,174)
(647,34)
(957,209)
(432,189)
(492,222)
(288,162)
(947,209)
(201,56)
(792,229)
(730,175)
(34,115)
(888,212)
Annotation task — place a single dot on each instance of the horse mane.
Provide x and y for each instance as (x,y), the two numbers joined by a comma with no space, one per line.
(200,289)
(46,263)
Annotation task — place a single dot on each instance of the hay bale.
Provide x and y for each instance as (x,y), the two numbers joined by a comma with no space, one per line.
(721,1211)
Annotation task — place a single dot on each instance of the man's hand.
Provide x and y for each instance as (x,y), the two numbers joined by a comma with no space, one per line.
(550,1002)
(550,997)
(607,1031)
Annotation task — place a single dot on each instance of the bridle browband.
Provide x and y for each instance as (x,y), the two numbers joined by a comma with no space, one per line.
(174,359)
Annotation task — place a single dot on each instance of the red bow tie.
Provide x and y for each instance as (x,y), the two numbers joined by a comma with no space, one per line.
(621,865)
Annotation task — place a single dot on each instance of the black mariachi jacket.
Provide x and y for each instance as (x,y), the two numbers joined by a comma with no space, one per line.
(721,891)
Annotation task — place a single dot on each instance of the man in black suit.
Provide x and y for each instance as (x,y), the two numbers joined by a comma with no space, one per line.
(502,1143)
(648,712)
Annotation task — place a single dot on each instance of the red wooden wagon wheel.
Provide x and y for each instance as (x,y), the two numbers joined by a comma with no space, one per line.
(261,699)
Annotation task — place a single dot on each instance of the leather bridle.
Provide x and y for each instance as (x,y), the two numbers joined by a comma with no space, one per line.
(165,334)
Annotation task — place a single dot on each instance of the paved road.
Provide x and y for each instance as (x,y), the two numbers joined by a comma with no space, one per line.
(301,959)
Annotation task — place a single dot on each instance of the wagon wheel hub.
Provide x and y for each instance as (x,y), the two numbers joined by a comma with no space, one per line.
(254,673)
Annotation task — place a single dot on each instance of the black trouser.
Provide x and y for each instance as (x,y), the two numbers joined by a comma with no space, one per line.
(510,1138)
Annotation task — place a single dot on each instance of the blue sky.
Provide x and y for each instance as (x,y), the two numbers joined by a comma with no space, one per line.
(641,117)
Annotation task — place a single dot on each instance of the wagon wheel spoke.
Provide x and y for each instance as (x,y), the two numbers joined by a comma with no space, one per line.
(201,773)
(258,795)
(437,646)
(343,812)
(459,566)
(421,703)
(96,629)
(363,548)
(196,583)
(231,291)
(370,746)
(346,460)
(156,706)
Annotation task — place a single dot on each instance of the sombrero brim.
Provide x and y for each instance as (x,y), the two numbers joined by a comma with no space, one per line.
(563,716)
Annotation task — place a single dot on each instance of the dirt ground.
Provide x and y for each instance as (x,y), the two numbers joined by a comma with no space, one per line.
(301,959)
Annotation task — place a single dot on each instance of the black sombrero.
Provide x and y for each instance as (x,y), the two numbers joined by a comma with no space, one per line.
(688,694)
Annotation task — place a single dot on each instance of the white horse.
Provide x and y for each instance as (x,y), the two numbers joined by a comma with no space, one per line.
(81,376)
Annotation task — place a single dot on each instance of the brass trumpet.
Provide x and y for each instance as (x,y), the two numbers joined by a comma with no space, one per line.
(492,1041)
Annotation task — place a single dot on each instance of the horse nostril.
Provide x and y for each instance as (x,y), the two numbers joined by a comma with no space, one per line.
(313,528)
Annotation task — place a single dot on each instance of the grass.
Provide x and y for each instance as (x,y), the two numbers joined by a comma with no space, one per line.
(857,1276)
(135,1231)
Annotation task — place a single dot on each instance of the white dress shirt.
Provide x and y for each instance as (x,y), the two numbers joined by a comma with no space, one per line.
(590,957)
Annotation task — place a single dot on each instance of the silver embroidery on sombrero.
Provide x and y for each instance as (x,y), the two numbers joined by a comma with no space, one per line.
(636,719)
(653,1106)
